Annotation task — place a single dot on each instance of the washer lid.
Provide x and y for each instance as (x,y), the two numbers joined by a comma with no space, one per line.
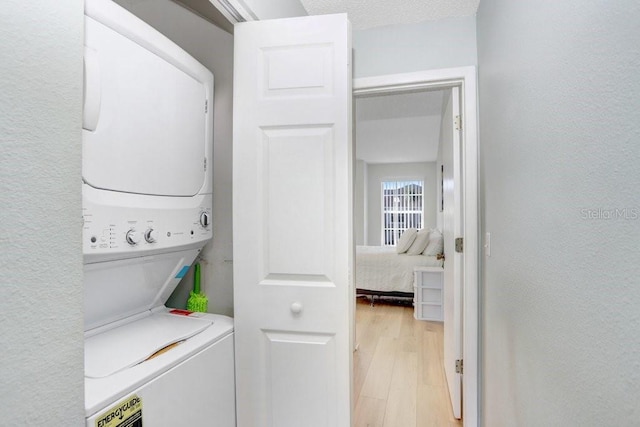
(132,343)
(117,290)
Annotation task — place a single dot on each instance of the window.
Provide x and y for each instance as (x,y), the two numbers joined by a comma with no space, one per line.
(402,207)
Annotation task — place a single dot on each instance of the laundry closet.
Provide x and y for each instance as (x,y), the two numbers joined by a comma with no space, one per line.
(147,207)
(290,339)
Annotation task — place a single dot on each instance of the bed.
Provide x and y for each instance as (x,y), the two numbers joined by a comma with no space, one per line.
(381,271)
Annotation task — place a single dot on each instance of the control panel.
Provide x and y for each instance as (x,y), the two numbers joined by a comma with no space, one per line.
(113,232)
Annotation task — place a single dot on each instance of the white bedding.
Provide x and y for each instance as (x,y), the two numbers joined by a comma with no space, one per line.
(380,268)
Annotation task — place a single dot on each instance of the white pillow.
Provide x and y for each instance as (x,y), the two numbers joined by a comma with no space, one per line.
(420,243)
(405,241)
(436,244)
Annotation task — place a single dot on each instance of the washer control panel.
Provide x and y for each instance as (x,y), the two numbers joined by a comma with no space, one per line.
(115,231)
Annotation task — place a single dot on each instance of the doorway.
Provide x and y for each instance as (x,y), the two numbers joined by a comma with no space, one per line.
(463,82)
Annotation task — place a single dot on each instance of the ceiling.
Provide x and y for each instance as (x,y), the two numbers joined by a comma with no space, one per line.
(398,128)
(375,13)
(363,14)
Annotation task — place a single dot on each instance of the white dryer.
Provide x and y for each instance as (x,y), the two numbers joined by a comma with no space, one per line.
(147,199)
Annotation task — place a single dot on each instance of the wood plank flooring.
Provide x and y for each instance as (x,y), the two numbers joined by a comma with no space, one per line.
(399,378)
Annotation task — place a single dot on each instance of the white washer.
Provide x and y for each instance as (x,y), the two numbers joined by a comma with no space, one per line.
(147,182)
(189,385)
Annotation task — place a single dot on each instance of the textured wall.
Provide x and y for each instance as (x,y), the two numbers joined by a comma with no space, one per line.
(41,373)
(213,47)
(376,173)
(394,49)
(560,135)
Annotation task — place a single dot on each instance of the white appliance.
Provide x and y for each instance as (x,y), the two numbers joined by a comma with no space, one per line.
(147,198)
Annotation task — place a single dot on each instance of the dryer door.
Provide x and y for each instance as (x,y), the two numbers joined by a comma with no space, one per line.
(145,114)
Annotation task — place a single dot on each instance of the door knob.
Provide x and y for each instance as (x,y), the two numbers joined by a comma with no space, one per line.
(296,308)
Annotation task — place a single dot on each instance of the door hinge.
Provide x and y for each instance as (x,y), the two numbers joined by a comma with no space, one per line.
(459,366)
(457,123)
(206,106)
(459,244)
(205,164)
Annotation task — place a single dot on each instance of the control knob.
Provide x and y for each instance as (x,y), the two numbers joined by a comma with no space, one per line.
(151,235)
(133,237)
(205,219)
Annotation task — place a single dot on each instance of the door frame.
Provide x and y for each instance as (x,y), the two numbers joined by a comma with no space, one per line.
(466,79)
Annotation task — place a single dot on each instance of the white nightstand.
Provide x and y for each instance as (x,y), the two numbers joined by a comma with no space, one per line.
(428,297)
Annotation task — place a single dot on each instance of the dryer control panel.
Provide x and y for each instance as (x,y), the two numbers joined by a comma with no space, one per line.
(143,227)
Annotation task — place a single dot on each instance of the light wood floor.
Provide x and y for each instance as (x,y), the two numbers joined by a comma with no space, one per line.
(398,371)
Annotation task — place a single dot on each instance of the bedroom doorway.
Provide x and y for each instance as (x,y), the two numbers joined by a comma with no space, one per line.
(394,95)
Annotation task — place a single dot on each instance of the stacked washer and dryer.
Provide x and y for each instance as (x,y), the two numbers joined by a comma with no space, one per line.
(147,199)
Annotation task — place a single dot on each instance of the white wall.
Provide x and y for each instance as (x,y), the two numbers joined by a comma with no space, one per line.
(376,173)
(41,298)
(399,127)
(360,203)
(213,47)
(445,43)
(413,138)
(559,94)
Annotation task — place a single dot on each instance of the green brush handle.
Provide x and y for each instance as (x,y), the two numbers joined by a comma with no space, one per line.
(196,278)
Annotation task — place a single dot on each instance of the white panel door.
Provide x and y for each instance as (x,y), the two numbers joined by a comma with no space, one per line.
(453,268)
(292,232)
